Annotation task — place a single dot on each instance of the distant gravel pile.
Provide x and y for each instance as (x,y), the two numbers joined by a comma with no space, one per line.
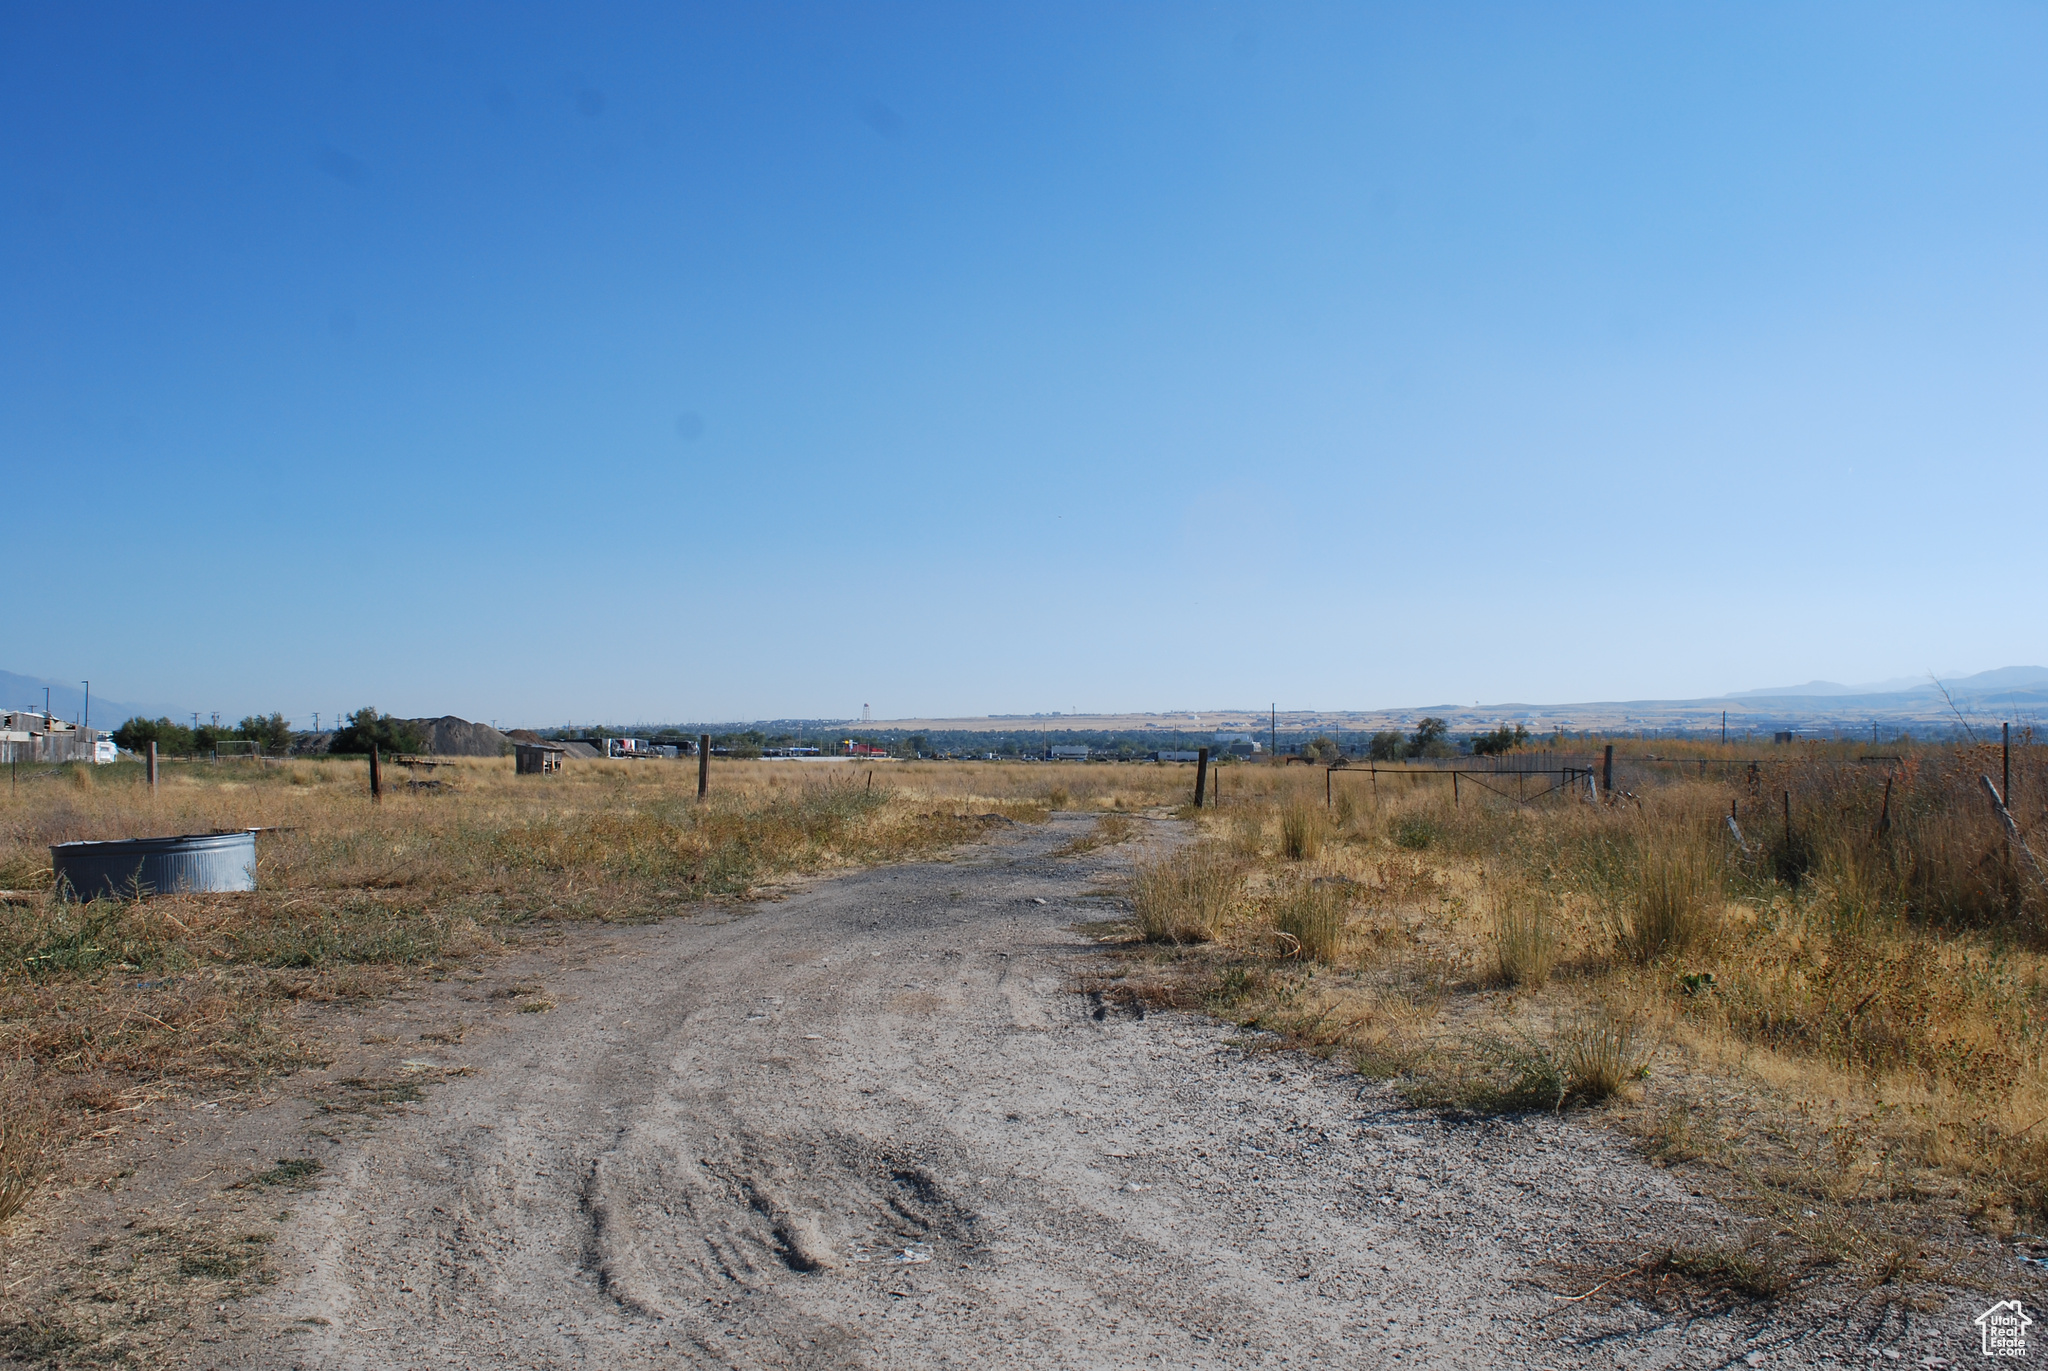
(449,736)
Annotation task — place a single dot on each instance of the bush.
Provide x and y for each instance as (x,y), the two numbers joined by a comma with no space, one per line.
(1589,1058)
(1524,941)
(271,731)
(171,738)
(1387,745)
(1677,892)
(1502,739)
(1301,831)
(1313,915)
(1431,738)
(367,728)
(1416,832)
(1185,897)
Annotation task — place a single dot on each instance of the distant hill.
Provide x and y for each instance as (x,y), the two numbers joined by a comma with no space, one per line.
(68,701)
(1996,681)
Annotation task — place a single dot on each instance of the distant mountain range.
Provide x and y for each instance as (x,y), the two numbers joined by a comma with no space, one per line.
(68,701)
(1983,683)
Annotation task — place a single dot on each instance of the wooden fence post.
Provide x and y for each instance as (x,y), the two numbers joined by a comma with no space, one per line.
(703,764)
(1455,801)
(1201,774)
(150,766)
(1607,772)
(376,774)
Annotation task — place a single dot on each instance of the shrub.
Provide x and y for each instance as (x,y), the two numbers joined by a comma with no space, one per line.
(1416,832)
(1589,1058)
(1301,831)
(171,738)
(1676,894)
(1525,942)
(271,731)
(1502,739)
(1313,915)
(1601,1051)
(367,728)
(1185,897)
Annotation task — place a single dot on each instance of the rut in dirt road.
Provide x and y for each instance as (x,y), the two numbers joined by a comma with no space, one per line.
(874,1125)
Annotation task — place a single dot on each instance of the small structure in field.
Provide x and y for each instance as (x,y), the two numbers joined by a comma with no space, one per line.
(536,759)
(1065,752)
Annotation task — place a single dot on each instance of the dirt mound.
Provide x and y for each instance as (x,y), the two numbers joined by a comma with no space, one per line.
(449,736)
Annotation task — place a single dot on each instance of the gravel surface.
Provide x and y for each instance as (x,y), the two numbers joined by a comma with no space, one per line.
(874,1124)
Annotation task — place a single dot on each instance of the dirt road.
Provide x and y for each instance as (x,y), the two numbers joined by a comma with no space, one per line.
(873,1125)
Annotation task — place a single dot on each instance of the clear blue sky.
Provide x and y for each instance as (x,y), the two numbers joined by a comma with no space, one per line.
(538,363)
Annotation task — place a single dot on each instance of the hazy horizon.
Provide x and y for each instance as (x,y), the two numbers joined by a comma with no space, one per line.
(66,702)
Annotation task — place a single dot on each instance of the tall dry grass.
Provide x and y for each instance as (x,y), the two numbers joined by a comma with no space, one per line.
(101,1002)
(1302,827)
(1525,940)
(1313,916)
(1870,955)
(1675,903)
(1186,897)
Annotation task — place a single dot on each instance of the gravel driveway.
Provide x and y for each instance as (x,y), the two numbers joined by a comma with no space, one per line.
(874,1125)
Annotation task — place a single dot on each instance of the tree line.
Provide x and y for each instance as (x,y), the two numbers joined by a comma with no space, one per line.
(365,729)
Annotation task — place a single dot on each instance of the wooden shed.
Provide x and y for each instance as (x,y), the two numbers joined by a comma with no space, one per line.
(536,759)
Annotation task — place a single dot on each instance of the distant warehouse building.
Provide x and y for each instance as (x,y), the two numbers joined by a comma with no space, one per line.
(1237,745)
(1066,753)
(1181,756)
(27,737)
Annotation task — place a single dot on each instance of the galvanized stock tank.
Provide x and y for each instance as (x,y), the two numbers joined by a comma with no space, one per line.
(155,866)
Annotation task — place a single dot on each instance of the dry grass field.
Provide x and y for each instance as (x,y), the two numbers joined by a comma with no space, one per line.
(1845,1017)
(104,1006)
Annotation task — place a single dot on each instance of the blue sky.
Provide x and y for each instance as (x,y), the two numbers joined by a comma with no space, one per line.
(546,363)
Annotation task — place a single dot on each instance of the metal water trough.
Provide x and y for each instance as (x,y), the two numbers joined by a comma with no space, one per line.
(156,866)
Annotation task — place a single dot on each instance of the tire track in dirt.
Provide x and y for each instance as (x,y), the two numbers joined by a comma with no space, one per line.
(873,1125)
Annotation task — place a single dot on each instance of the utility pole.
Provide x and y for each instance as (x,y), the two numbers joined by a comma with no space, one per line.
(86,722)
(1273,730)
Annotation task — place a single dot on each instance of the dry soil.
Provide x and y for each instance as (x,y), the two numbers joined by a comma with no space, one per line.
(873,1124)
